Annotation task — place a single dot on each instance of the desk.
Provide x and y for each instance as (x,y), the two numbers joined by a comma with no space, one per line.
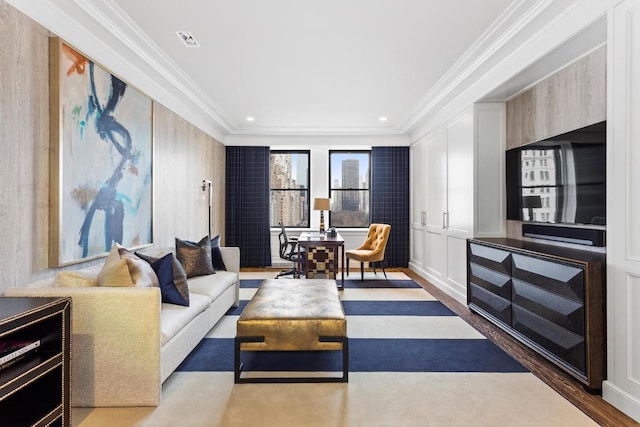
(314,240)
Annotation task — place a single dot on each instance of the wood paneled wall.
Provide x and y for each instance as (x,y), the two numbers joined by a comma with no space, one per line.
(183,157)
(572,98)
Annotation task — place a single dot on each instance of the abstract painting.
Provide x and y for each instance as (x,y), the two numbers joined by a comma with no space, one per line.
(101,160)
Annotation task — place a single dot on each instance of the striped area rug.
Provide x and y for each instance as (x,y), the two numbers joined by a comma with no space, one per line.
(393,326)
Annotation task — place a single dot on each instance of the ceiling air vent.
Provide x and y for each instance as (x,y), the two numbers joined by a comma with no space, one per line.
(187,39)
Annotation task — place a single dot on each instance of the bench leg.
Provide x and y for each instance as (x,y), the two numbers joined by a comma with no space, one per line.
(237,364)
(345,364)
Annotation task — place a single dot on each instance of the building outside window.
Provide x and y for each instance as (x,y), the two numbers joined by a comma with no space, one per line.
(289,183)
(349,181)
(544,182)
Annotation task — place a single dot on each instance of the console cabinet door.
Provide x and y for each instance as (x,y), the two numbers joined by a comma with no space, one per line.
(548,306)
(489,276)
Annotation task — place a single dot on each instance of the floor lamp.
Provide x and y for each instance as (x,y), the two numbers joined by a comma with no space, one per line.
(207,197)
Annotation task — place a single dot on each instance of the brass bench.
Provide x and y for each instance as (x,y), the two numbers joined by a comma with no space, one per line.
(293,315)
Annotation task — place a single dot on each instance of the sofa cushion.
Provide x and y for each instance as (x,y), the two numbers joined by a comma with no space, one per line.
(173,318)
(195,257)
(213,285)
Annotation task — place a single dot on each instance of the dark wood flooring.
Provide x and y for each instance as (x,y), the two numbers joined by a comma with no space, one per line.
(565,385)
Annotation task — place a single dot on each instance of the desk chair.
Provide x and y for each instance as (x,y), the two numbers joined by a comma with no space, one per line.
(289,252)
(372,250)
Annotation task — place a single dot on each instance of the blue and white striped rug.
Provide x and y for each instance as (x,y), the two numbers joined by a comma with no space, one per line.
(392,325)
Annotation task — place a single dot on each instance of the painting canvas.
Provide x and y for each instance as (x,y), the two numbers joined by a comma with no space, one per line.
(101,160)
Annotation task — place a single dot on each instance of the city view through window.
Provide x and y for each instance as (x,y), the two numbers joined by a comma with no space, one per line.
(289,184)
(349,182)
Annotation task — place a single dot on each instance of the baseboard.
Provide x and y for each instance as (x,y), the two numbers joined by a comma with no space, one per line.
(621,400)
(447,288)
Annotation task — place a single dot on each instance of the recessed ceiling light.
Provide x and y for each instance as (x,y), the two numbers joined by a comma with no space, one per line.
(383,119)
(187,39)
(250,119)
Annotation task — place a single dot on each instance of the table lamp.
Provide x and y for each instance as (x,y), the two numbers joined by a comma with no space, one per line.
(531,203)
(321,204)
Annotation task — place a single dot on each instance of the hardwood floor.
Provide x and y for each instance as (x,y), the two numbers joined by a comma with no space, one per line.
(592,405)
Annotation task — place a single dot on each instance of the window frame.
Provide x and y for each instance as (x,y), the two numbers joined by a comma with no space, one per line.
(307,213)
(368,189)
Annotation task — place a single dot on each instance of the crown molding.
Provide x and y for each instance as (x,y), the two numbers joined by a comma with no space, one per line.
(118,24)
(94,32)
(555,26)
(313,131)
(504,29)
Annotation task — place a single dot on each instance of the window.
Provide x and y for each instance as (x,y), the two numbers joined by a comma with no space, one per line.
(289,183)
(349,179)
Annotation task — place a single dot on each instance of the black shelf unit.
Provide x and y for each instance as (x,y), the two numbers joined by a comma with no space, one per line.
(36,390)
(550,298)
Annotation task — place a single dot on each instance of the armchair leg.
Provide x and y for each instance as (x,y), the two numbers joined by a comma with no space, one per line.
(347,261)
(361,270)
(382,266)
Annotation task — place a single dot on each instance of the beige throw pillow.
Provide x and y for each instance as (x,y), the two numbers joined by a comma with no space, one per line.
(74,279)
(124,268)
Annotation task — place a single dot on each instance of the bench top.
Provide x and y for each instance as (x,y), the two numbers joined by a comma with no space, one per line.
(294,299)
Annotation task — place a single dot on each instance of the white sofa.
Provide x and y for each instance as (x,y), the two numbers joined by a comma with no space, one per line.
(126,342)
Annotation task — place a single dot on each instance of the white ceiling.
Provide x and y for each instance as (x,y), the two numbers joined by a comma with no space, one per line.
(299,66)
(329,68)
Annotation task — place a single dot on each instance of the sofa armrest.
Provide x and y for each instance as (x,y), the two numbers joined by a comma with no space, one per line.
(231,258)
(115,343)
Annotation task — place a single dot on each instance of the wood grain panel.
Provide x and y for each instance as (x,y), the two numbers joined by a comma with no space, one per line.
(24,148)
(572,98)
(183,157)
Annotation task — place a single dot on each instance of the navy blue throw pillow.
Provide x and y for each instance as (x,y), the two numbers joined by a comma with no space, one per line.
(216,255)
(172,277)
(164,270)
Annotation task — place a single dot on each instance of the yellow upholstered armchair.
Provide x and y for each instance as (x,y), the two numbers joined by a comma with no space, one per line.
(372,250)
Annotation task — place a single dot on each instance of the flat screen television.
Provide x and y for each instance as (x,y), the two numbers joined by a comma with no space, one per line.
(559,180)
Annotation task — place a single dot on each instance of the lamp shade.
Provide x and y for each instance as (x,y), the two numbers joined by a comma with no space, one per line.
(531,202)
(320,204)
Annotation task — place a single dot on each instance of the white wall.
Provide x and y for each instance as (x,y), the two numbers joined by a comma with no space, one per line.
(319,146)
(622,387)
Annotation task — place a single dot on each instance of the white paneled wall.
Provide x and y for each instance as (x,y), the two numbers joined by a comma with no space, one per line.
(442,205)
(622,387)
